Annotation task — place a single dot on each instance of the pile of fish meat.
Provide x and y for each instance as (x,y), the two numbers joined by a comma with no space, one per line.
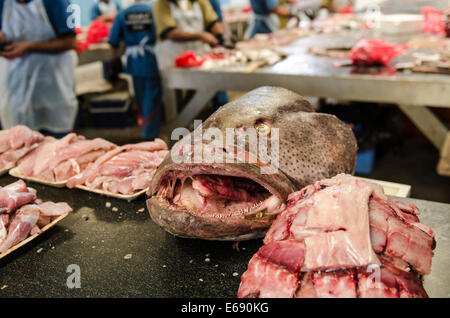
(59,160)
(219,58)
(125,170)
(342,237)
(23,215)
(15,143)
(273,40)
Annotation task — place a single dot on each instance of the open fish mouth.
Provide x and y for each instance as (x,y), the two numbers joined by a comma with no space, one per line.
(220,196)
(217,201)
(222,191)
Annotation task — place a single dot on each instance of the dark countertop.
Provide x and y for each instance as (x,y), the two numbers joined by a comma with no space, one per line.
(160,265)
(97,239)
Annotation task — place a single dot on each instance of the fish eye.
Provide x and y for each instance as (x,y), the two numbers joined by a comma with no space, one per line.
(262,129)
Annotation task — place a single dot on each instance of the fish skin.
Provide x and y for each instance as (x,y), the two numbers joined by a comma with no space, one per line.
(285,110)
(313,146)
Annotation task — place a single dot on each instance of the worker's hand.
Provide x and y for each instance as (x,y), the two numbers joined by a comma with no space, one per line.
(2,37)
(15,50)
(208,38)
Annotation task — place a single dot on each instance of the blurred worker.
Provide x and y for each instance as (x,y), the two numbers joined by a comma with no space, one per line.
(135,27)
(105,10)
(184,25)
(284,20)
(37,65)
(265,17)
(228,40)
(336,5)
(327,4)
(217,9)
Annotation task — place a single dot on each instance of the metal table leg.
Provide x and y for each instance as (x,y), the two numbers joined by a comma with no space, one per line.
(170,104)
(193,108)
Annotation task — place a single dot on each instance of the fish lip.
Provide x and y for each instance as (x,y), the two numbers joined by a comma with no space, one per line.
(168,220)
(229,170)
(163,202)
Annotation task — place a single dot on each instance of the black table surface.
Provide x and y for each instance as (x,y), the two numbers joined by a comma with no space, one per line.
(100,240)
(97,239)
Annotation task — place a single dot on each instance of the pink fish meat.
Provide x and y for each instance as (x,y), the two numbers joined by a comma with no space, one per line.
(14,196)
(59,160)
(125,170)
(342,237)
(19,229)
(15,143)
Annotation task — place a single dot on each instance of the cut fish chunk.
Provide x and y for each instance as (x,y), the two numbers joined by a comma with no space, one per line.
(342,237)
(53,209)
(19,229)
(14,196)
(124,170)
(15,143)
(59,160)
(23,215)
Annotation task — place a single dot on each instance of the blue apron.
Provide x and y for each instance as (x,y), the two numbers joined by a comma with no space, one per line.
(261,19)
(142,66)
(38,89)
(262,23)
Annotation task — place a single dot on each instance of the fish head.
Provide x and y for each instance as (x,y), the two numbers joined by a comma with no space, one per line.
(230,178)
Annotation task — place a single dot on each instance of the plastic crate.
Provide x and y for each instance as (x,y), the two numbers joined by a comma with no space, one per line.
(111,110)
(365,161)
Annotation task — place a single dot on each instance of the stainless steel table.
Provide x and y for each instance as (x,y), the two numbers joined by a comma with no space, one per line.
(310,75)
